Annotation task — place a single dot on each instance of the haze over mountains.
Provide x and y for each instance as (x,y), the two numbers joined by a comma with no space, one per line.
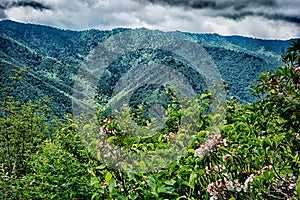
(56,55)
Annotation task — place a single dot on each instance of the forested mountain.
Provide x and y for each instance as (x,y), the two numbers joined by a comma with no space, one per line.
(55,56)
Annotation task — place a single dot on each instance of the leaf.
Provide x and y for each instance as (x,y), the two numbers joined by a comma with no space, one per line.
(94,181)
(203,95)
(165,190)
(108,177)
(170,182)
(94,195)
(151,183)
(193,176)
(191,151)
(101,167)
(111,185)
(143,166)
(98,155)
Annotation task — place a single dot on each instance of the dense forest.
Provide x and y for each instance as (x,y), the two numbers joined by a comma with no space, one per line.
(249,149)
(55,56)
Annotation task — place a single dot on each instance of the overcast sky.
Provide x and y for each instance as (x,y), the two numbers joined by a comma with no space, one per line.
(273,19)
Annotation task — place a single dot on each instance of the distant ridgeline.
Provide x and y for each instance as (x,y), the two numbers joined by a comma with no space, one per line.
(56,55)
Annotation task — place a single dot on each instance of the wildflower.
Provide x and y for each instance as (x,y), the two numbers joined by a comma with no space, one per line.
(249,180)
(213,191)
(229,185)
(297,69)
(237,185)
(218,168)
(219,184)
(207,170)
(199,153)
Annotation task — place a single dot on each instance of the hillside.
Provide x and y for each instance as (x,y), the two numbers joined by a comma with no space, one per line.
(56,55)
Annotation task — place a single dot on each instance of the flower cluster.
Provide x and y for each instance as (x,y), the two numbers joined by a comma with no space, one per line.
(220,186)
(286,183)
(213,141)
(217,168)
(252,176)
(227,184)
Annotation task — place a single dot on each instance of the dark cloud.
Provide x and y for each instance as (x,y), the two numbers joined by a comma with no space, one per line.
(214,4)
(4,5)
(186,3)
(234,9)
(32,4)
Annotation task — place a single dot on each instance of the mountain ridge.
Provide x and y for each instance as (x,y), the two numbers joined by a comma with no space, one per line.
(56,55)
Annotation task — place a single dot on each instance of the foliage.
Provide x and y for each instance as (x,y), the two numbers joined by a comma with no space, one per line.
(23,127)
(255,155)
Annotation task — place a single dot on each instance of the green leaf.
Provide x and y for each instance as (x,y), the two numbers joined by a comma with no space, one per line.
(108,177)
(94,195)
(94,181)
(165,190)
(170,182)
(151,183)
(111,185)
(191,151)
(143,166)
(101,167)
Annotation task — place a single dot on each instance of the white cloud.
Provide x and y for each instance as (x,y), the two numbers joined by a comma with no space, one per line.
(108,14)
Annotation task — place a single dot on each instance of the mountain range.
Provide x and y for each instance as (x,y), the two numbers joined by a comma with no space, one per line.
(55,57)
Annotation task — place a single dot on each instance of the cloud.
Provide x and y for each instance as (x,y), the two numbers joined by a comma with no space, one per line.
(214,4)
(257,18)
(236,9)
(6,4)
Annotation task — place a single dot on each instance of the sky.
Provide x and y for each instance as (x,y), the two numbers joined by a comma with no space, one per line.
(268,19)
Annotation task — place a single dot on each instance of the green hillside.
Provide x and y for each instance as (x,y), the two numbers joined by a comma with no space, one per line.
(55,56)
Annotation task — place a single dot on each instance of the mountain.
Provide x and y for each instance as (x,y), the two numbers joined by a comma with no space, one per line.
(56,55)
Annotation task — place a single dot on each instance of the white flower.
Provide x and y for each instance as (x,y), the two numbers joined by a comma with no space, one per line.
(292,186)
(229,185)
(207,170)
(249,179)
(225,143)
